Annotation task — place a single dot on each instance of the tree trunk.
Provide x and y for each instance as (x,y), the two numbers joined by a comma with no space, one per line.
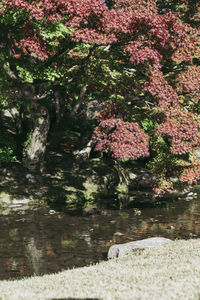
(35,149)
(84,154)
(80,100)
(58,108)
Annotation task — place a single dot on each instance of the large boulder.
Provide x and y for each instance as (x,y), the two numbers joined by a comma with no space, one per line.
(121,250)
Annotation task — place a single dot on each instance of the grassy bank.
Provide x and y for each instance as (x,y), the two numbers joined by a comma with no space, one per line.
(168,272)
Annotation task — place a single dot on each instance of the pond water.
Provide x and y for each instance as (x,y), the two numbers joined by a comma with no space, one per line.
(38,242)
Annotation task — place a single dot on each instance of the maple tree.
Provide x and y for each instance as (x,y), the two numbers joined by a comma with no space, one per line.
(142,57)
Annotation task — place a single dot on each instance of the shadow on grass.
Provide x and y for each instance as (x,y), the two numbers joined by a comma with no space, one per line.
(75,299)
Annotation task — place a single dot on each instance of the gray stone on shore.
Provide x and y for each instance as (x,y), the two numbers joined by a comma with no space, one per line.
(121,250)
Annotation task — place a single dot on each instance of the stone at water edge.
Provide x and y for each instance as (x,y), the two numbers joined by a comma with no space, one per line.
(121,250)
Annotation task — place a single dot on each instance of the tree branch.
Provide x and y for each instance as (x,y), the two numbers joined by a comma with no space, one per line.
(10,73)
(80,100)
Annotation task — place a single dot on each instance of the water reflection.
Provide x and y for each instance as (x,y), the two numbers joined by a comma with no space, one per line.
(37,242)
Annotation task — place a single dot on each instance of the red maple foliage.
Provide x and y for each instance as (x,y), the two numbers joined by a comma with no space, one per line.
(188,81)
(183,130)
(122,139)
(160,89)
(191,175)
(112,111)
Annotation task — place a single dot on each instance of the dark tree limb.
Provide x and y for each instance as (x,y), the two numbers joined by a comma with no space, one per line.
(80,100)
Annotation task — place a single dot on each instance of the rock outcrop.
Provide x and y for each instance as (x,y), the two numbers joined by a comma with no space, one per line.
(121,250)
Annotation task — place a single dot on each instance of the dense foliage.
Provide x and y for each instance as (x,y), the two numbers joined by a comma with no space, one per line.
(139,58)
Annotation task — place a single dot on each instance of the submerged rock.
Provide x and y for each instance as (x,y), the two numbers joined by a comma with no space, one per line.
(121,250)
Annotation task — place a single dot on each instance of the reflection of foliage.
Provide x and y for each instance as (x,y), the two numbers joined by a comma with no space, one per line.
(57,197)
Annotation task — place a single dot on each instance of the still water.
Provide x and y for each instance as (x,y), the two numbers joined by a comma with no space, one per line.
(38,242)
